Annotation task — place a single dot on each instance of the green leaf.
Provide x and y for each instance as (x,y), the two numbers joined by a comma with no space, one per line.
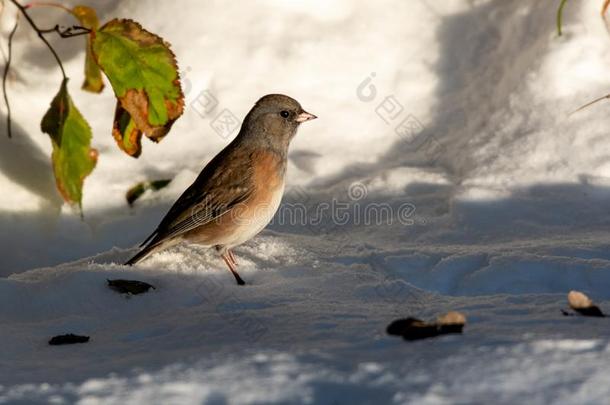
(73,158)
(93,75)
(144,76)
(136,191)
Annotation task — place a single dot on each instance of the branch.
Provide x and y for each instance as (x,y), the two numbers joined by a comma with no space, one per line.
(66,32)
(5,76)
(69,32)
(2,8)
(47,4)
(40,33)
(597,100)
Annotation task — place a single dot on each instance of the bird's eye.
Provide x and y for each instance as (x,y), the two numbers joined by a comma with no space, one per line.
(285,114)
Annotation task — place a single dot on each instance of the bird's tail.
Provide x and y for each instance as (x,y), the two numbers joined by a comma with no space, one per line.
(152,247)
(141,255)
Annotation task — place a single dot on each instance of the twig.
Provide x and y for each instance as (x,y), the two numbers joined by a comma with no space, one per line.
(56,28)
(47,4)
(2,8)
(5,76)
(23,11)
(68,32)
(590,104)
(80,30)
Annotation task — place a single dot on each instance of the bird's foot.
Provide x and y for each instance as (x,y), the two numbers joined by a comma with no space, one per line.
(231,264)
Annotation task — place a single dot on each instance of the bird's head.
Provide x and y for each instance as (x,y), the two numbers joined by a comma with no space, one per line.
(275,119)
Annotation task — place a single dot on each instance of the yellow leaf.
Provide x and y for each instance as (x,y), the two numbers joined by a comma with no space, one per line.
(93,75)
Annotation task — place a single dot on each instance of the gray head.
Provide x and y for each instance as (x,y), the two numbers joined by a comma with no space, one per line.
(274,121)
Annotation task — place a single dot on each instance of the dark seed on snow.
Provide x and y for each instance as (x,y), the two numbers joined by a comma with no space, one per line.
(133,287)
(68,339)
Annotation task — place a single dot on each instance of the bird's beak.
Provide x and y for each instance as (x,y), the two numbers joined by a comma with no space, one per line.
(305,116)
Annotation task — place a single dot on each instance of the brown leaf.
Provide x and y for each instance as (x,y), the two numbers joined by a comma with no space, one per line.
(582,304)
(144,76)
(126,133)
(452,318)
(578,300)
(415,329)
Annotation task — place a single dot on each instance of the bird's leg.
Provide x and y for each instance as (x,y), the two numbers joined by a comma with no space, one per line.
(227,259)
(230,252)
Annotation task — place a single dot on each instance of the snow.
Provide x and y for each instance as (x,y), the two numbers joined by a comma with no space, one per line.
(510,194)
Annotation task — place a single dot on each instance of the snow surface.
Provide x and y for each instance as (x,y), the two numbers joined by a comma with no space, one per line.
(510,197)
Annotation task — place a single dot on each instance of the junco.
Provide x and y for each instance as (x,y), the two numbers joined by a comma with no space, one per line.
(238,192)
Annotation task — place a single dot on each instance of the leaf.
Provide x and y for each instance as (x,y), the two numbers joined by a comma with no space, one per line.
(73,158)
(582,304)
(415,329)
(144,76)
(125,132)
(560,16)
(93,75)
(136,191)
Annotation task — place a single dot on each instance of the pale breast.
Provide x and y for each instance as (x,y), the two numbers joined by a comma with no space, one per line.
(256,217)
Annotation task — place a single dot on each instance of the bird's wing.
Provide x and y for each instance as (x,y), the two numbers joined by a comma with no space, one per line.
(217,190)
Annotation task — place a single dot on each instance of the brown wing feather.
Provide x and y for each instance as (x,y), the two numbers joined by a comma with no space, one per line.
(218,189)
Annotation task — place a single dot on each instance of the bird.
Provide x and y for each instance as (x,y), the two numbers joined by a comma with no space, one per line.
(239,191)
